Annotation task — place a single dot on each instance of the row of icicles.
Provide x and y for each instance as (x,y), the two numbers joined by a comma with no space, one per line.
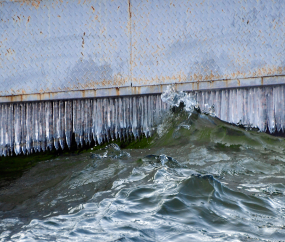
(37,126)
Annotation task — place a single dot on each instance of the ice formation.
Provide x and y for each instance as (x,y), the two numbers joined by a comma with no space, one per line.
(253,107)
(37,126)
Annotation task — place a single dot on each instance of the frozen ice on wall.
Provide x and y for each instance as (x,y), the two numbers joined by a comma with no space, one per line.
(37,126)
(253,107)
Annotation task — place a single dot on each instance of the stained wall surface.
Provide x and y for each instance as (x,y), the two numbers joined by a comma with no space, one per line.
(69,46)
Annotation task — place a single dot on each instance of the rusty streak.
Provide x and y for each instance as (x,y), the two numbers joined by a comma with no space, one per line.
(131,43)
(144,90)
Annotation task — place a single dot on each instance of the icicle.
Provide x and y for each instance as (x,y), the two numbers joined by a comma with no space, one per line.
(218,104)
(88,119)
(28,137)
(10,134)
(270,110)
(5,129)
(150,114)
(278,107)
(99,121)
(204,102)
(234,113)
(94,117)
(259,117)
(61,124)
(118,113)
(49,125)
(55,125)
(40,117)
(123,118)
(140,115)
(239,106)
(262,111)
(116,118)
(230,106)
(68,122)
(128,118)
(76,118)
(108,119)
(224,105)
(17,125)
(43,140)
(1,129)
(81,122)
(245,116)
(156,110)
(145,121)
(112,118)
(283,109)
(104,120)
(35,130)
(249,107)
(134,118)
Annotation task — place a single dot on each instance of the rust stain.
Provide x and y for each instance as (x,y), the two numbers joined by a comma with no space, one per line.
(34,3)
(181,77)
(117,91)
(93,9)
(83,40)
(130,12)
(28,20)
(10,52)
(39,96)
(119,80)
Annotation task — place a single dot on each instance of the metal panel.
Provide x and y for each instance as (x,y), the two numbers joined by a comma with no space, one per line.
(57,49)
(51,46)
(200,40)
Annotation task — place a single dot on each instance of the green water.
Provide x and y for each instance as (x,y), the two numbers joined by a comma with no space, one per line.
(196,179)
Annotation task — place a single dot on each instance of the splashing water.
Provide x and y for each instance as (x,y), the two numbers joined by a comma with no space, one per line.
(253,107)
(174,98)
(198,179)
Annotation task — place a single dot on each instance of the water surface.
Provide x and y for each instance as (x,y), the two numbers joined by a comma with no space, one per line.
(198,179)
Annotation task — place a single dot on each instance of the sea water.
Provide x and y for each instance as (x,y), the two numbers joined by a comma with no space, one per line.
(197,179)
